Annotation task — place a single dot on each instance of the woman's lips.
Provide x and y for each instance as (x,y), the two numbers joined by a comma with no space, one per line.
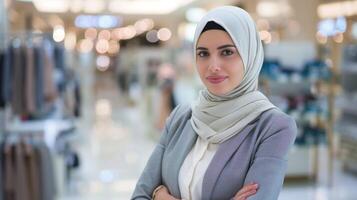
(216,79)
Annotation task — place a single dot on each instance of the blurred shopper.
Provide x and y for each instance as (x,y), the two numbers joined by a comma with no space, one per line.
(166,78)
(232,142)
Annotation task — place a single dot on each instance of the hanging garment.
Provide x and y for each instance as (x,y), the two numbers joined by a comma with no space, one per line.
(49,85)
(30,82)
(9,172)
(77,96)
(39,78)
(8,74)
(2,170)
(2,70)
(47,175)
(21,178)
(18,81)
(32,171)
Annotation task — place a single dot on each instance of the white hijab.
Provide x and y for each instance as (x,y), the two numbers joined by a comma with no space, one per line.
(218,118)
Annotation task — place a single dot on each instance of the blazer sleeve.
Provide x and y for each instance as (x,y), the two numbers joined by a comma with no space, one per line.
(151,176)
(270,162)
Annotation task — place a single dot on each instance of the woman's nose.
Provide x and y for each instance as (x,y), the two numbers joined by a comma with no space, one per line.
(214,65)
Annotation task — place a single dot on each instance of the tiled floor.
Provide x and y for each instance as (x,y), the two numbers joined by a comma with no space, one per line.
(117,143)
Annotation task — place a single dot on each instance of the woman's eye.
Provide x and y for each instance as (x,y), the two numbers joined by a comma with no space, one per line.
(227,52)
(202,54)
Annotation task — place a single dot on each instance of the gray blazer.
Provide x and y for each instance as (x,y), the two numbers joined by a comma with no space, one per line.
(257,154)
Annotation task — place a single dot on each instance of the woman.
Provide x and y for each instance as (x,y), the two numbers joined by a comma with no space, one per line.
(232,143)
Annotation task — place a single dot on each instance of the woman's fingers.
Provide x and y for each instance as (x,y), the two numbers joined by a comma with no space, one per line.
(247,188)
(246,194)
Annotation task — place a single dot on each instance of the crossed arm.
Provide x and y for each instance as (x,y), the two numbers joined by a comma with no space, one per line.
(267,170)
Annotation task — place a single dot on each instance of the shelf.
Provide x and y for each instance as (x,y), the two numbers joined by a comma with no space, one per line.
(348,130)
(347,105)
(288,88)
(348,71)
(349,151)
(51,128)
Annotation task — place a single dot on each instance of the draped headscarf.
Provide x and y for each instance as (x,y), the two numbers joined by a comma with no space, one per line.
(218,118)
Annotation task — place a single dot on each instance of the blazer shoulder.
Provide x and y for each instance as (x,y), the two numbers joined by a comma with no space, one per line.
(276,120)
(179,115)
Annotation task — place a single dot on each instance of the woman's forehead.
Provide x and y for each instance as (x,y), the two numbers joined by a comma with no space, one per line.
(212,38)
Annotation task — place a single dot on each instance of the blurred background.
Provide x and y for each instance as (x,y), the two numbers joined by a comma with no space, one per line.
(86,86)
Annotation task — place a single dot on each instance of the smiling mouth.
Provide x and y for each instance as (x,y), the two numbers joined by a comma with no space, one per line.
(216,79)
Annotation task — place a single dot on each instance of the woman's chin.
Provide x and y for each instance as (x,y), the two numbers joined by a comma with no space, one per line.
(218,92)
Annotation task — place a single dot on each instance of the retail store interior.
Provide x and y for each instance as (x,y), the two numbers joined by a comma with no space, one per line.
(86,87)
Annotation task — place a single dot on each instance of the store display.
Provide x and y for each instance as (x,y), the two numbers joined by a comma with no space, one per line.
(42,96)
(347,124)
(27,168)
(299,100)
(34,65)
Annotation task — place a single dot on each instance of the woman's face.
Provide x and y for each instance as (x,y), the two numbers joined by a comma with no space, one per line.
(218,61)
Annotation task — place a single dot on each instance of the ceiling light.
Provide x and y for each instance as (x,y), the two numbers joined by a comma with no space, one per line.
(85,46)
(102,46)
(263,24)
(128,32)
(116,34)
(58,34)
(108,21)
(273,9)
(337,9)
(264,35)
(151,36)
(103,63)
(90,33)
(94,6)
(104,34)
(330,27)
(143,25)
(145,7)
(55,6)
(164,34)
(97,21)
(76,6)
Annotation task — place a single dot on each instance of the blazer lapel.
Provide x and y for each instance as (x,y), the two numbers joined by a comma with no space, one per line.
(178,154)
(222,156)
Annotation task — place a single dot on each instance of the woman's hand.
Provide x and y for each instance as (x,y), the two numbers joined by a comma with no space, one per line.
(163,194)
(246,191)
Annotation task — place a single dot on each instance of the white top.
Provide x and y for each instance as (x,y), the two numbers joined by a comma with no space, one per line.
(193,169)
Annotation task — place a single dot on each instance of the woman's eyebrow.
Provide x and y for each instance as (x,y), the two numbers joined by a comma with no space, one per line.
(201,48)
(226,45)
(220,47)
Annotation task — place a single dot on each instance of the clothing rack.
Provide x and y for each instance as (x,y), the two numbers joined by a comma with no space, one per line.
(27,168)
(45,128)
(50,55)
